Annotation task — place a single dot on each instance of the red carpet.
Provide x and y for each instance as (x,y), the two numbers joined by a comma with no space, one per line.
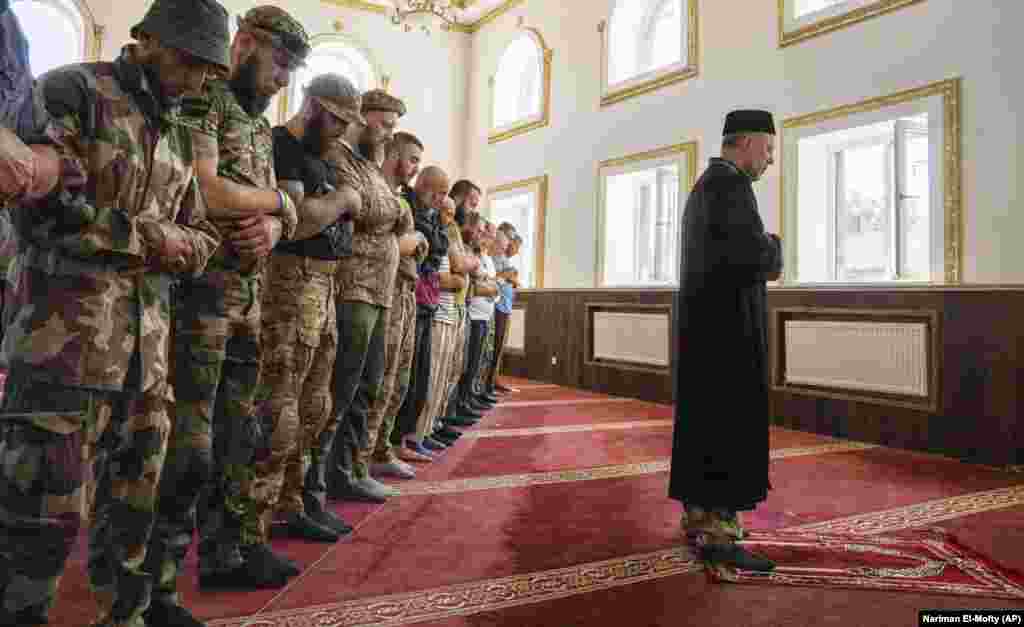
(927,561)
(555,515)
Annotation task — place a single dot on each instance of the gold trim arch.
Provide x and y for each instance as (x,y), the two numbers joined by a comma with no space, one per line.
(378,77)
(529,124)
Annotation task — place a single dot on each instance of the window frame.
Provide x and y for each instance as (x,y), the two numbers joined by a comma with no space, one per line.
(292,93)
(659,77)
(92,33)
(539,187)
(530,123)
(794,30)
(941,100)
(685,155)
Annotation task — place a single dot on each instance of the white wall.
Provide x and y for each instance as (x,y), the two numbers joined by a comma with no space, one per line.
(428,73)
(742,66)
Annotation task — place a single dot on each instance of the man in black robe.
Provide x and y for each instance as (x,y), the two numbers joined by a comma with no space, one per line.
(720,443)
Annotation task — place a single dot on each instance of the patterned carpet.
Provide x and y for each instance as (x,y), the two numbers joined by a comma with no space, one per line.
(552,512)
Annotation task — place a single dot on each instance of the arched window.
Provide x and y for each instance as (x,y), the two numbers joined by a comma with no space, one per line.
(335,55)
(59,32)
(521,87)
(647,44)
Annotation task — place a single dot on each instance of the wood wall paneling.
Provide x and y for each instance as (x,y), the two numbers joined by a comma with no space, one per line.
(975,337)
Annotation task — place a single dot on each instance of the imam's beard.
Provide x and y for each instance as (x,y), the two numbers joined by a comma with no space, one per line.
(243,85)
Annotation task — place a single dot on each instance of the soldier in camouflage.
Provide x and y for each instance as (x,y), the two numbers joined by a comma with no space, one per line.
(300,335)
(217,346)
(383,227)
(84,415)
(401,165)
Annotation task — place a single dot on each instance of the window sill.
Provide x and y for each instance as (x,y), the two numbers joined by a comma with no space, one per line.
(637,86)
(516,128)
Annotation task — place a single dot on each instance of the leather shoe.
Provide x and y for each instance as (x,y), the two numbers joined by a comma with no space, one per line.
(305,528)
(162,614)
(736,556)
(488,398)
(459,421)
(467,411)
(447,432)
(393,468)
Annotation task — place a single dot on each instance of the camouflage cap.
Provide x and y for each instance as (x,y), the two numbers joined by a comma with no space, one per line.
(199,27)
(380,100)
(338,95)
(281,29)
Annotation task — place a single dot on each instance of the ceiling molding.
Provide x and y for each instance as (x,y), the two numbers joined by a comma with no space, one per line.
(472,27)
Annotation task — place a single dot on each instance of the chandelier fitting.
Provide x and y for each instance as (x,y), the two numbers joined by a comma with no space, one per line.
(419,14)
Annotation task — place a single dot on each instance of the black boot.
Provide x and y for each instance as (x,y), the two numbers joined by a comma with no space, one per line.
(28,616)
(261,569)
(162,614)
(324,517)
(303,527)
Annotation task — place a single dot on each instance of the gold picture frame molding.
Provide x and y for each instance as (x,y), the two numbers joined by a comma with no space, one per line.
(836,22)
(950,91)
(541,183)
(686,183)
(496,135)
(659,79)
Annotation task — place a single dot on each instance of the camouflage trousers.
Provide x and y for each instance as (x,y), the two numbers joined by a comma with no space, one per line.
(301,338)
(65,451)
(214,434)
(400,341)
(457,357)
(442,338)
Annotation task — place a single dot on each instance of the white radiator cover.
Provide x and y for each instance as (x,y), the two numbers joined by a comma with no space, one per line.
(516,330)
(888,357)
(637,338)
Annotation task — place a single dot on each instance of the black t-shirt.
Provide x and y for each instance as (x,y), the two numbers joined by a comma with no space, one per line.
(293,163)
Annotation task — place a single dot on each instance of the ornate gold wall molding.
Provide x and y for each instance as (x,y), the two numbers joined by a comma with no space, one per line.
(659,79)
(687,179)
(472,27)
(949,90)
(540,184)
(533,123)
(829,24)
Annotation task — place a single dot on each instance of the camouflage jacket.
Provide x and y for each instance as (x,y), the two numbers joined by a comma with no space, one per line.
(246,147)
(91,307)
(368,275)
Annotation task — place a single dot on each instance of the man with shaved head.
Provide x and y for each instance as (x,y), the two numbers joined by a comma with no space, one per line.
(425,200)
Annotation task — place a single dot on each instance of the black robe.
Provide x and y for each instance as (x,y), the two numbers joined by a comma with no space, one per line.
(720,441)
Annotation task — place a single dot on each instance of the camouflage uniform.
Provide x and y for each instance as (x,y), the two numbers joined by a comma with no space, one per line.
(365,289)
(299,323)
(398,352)
(217,358)
(87,345)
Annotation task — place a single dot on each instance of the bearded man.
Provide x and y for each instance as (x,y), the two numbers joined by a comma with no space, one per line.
(84,418)
(217,347)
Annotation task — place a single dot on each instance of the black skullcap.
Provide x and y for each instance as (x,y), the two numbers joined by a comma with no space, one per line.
(748,121)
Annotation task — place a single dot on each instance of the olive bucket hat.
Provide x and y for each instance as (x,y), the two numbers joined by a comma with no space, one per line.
(199,27)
